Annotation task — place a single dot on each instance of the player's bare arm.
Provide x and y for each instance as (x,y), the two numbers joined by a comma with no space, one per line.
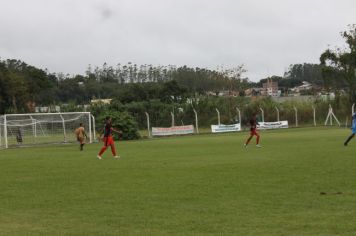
(116,130)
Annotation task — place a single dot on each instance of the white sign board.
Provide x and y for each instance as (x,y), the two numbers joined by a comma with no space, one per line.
(175,130)
(225,128)
(273,125)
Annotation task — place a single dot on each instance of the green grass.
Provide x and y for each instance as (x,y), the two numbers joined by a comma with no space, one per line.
(193,185)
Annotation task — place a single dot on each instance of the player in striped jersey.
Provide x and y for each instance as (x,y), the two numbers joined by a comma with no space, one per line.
(108,138)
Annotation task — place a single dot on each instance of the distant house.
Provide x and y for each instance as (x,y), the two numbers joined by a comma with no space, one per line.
(305,86)
(47,109)
(253,92)
(229,93)
(224,93)
(327,96)
(210,93)
(100,101)
(270,88)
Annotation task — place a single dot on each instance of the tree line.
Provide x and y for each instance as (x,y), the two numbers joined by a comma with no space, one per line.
(24,86)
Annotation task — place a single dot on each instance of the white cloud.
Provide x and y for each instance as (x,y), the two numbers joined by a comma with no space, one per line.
(267,36)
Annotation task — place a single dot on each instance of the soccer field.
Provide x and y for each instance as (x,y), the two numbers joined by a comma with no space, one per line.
(302,182)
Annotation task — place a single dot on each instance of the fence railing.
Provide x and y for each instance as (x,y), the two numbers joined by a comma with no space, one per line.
(295,117)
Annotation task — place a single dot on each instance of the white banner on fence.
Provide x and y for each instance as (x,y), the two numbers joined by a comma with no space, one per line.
(225,128)
(175,130)
(273,125)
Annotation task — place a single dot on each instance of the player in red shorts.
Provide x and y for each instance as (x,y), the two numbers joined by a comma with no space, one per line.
(253,131)
(108,138)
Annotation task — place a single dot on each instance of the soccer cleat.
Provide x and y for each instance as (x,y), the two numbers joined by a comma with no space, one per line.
(99,157)
(117,157)
(259,146)
(345,144)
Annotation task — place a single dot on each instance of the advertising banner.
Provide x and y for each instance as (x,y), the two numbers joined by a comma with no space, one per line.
(175,130)
(225,128)
(273,125)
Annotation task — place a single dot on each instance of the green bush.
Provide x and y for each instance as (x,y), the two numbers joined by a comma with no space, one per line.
(122,121)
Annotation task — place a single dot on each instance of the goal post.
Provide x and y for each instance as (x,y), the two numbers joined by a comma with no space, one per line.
(43,128)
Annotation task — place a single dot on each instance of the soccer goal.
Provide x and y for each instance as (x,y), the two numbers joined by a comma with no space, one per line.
(43,128)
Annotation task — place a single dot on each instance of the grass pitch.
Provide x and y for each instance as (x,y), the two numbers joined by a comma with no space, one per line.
(302,182)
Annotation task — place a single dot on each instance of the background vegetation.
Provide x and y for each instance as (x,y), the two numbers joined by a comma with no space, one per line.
(160,90)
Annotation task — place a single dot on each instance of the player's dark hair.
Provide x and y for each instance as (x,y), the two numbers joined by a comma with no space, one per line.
(81,124)
(107,118)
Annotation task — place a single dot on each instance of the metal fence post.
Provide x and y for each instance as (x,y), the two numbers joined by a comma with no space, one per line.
(277,113)
(314,115)
(172,115)
(263,115)
(218,115)
(148,124)
(196,121)
(238,111)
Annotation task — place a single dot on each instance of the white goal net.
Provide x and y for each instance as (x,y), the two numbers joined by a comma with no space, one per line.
(43,128)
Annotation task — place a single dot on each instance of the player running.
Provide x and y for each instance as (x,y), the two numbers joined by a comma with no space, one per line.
(253,131)
(353,129)
(108,138)
(80,133)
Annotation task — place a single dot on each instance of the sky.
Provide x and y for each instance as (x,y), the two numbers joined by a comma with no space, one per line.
(267,36)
